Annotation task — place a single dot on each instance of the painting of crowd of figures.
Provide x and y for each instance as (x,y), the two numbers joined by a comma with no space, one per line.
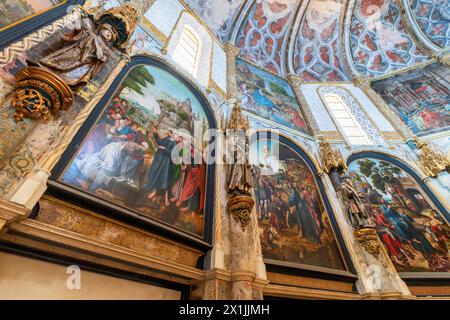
(293,223)
(127,155)
(420,97)
(415,235)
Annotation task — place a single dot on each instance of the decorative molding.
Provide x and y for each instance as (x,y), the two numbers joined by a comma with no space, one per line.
(18,48)
(154,30)
(212,85)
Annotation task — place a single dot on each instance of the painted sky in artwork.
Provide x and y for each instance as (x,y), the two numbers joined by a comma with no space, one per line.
(317,53)
(379,41)
(163,89)
(268,96)
(433,17)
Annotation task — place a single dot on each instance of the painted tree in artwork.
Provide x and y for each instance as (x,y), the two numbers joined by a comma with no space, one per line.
(138,78)
(383,176)
(278,89)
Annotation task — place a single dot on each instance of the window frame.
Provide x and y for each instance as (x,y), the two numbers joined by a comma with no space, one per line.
(182,61)
(352,117)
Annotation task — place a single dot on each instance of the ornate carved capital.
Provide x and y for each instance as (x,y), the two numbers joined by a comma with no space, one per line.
(368,239)
(445,59)
(294,80)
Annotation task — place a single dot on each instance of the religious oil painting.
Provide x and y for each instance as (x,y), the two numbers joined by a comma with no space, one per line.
(420,97)
(13,11)
(294,225)
(268,96)
(144,152)
(415,235)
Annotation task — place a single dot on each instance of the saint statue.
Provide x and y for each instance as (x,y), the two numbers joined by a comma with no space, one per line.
(90,45)
(355,206)
(240,176)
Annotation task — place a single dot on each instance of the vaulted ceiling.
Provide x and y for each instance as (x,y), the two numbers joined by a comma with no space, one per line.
(328,40)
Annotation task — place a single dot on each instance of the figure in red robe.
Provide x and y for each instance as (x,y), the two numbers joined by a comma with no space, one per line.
(193,194)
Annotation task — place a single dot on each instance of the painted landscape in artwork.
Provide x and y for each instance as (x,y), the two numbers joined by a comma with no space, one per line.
(416,237)
(127,156)
(268,96)
(293,223)
(420,97)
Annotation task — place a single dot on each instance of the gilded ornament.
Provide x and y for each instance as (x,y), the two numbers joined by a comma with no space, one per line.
(332,159)
(432,160)
(40,93)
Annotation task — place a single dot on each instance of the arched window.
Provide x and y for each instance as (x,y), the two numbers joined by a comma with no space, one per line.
(346,121)
(187,50)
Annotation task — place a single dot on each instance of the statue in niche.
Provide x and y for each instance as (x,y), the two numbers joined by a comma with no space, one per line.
(88,48)
(240,176)
(355,206)
(46,85)
(90,45)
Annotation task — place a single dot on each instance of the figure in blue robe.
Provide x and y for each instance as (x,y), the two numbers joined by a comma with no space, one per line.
(304,217)
(406,230)
(160,173)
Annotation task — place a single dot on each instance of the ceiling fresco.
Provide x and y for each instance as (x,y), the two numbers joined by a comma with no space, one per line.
(317,54)
(263,35)
(307,38)
(433,17)
(218,15)
(379,41)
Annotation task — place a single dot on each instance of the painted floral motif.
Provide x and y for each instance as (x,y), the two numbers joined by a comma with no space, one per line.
(263,36)
(317,54)
(433,17)
(379,41)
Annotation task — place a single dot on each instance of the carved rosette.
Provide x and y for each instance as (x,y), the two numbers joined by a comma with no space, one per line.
(368,239)
(39,94)
(240,207)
